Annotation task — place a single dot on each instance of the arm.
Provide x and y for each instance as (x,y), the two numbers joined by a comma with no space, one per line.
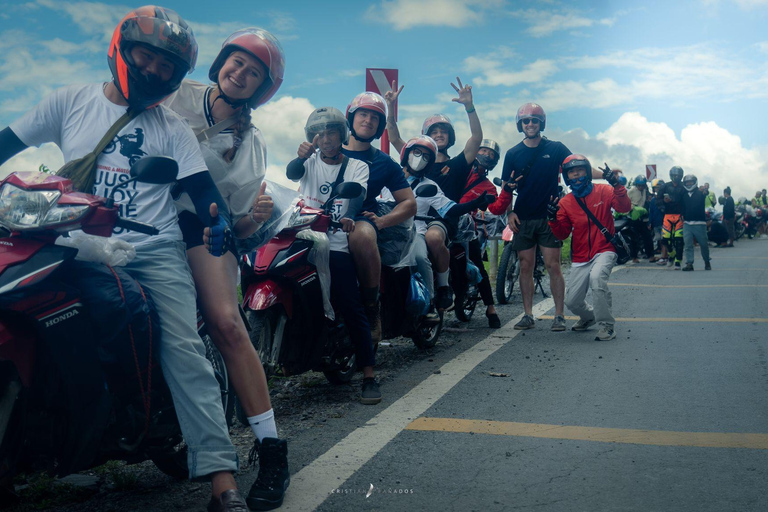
(260,212)
(295,169)
(392,130)
(620,201)
(202,190)
(561,227)
(10,145)
(405,208)
(500,206)
(476,137)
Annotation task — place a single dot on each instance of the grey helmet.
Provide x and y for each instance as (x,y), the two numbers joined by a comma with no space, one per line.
(324,118)
(676,174)
(690,182)
(488,162)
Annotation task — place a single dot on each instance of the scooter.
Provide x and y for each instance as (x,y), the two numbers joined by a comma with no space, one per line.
(283,283)
(79,387)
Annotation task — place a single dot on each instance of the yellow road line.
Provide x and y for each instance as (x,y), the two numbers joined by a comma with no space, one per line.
(645,285)
(599,434)
(661,319)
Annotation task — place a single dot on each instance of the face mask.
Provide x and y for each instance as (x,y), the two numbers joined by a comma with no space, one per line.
(486,162)
(417,163)
(581,186)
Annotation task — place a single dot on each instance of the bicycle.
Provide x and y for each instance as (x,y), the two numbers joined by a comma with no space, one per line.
(509,271)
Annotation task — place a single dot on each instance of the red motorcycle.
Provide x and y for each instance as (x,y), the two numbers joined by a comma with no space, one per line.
(283,283)
(80,382)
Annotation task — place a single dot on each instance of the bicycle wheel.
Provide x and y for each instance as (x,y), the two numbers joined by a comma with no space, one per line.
(507,275)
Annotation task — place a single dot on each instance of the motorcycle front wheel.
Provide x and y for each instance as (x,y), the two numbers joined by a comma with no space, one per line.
(426,336)
(467,307)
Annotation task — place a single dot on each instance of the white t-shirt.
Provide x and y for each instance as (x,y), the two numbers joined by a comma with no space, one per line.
(238,181)
(75,118)
(316,185)
(439,202)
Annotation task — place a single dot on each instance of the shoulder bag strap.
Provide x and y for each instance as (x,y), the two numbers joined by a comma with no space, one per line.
(340,177)
(603,230)
(115,129)
(219,127)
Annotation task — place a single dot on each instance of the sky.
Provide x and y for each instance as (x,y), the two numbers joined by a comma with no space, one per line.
(628,83)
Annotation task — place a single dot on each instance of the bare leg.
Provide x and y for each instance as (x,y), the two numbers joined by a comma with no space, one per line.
(556,280)
(527,260)
(438,252)
(365,252)
(216,283)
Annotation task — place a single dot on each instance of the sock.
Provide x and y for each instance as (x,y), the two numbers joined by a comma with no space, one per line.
(370,295)
(442,278)
(263,425)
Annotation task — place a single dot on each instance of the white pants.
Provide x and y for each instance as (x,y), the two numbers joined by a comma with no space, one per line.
(593,275)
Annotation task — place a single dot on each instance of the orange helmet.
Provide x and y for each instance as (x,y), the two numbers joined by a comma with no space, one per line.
(161,30)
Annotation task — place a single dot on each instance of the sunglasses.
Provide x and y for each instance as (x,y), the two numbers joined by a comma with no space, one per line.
(531,120)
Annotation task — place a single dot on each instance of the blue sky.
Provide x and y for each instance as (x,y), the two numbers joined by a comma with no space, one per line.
(630,83)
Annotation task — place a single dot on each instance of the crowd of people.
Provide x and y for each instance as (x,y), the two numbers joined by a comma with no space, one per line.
(219,206)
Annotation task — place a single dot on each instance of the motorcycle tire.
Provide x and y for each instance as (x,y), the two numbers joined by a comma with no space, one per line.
(467,308)
(11,429)
(426,336)
(173,462)
(506,275)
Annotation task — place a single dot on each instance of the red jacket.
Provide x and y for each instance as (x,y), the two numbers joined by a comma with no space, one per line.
(587,240)
(500,206)
(483,186)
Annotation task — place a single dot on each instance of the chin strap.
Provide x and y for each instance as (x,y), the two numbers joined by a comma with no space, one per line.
(226,99)
(354,134)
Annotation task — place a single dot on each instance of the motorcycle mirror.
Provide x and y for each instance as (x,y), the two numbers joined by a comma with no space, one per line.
(348,190)
(426,191)
(157,170)
(498,182)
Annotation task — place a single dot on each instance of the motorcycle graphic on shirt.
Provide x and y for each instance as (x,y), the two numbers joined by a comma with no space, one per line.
(130,145)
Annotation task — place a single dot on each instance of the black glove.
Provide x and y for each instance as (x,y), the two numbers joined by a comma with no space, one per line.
(609,176)
(482,201)
(552,208)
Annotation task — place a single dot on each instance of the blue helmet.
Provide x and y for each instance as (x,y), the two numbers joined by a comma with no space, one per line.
(640,181)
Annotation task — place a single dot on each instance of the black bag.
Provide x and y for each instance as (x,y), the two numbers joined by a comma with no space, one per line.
(619,243)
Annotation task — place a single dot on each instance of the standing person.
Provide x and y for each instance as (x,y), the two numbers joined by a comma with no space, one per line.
(656,214)
(729,216)
(671,196)
(477,183)
(151,51)
(593,255)
(641,198)
(450,174)
(533,166)
(367,117)
(318,166)
(695,224)
(246,74)
(710,201)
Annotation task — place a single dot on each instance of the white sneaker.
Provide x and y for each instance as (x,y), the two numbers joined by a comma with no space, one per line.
(583,325)
(605,333)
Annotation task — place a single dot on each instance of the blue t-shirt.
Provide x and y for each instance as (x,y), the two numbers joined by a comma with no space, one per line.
(382,172)
(540,182)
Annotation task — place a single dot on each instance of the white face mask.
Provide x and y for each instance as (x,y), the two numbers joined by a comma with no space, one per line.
(417,163)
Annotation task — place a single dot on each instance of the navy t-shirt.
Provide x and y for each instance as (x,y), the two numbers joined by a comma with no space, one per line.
(540,183)
(382,172)
(452,183)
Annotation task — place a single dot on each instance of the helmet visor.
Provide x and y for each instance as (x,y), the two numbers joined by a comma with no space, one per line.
(173,39)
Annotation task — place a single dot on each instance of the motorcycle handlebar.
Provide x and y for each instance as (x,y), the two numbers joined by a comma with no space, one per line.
(141,227)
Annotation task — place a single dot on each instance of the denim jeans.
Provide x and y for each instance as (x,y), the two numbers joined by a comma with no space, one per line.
(698,231)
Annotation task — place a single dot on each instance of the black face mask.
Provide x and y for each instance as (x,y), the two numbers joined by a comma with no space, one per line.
(487,162)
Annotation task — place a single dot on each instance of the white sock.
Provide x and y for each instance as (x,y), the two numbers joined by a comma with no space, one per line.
(442,278)
(263,425)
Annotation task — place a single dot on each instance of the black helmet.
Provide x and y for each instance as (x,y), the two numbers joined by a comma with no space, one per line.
(676,174)
(575,160)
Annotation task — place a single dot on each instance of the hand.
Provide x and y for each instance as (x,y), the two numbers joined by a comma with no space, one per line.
(347,224)
(217,237)
(306,150)
(510,186)
(552,208)
(465,94)
(262,207)
(513,221)
(609,176)
(375,219)
(391,96)
(483,200)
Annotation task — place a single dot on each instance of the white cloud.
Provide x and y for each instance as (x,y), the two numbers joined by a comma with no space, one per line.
(543,22)
(32,158)
(534,72)
(92,18)
(407,14)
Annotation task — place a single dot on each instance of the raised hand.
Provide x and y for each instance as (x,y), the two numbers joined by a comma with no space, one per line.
(306,149)
(609,176)
(391,95)
(262,207)
(464,92)
(511,185)
(552,207)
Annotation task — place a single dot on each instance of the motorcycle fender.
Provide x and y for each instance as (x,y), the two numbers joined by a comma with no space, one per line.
(18,346)
(265,294)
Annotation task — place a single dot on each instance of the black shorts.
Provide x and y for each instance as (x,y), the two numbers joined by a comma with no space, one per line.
(535,232)
(191,229)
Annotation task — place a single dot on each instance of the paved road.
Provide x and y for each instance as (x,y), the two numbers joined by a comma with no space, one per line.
(672,415)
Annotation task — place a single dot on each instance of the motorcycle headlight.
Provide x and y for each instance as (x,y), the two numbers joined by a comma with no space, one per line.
(32,209)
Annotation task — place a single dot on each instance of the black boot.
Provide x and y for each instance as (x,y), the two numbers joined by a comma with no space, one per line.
(268,491)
